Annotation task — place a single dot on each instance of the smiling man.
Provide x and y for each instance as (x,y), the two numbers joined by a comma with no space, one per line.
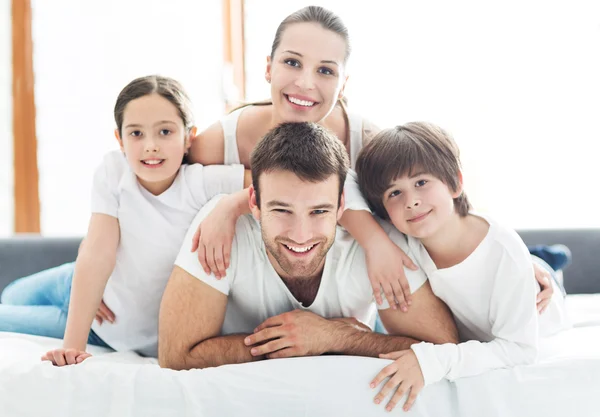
(296,285)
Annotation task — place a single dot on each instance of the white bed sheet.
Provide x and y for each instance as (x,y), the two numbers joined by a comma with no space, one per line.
(565,383)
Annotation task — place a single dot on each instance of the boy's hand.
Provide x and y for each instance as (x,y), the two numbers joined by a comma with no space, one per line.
(214,237)
(547,290)
(104,314)
(62,357)
(385,264)
(405,374)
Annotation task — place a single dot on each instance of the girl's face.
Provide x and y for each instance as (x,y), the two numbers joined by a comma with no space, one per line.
(154,141)
(306,73)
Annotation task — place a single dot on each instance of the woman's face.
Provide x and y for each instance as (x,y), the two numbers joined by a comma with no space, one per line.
(306,73)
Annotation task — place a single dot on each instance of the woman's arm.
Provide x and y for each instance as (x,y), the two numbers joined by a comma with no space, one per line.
(208,148)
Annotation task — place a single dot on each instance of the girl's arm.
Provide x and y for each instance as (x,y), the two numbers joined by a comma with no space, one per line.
(385,260)
(94,265)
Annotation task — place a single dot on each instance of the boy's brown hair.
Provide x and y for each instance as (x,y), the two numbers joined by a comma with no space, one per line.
(402,150)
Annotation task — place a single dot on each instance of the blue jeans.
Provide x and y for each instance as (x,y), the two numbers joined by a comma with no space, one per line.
(38,304)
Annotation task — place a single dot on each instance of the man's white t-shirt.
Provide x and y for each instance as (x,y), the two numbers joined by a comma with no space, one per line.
(492,297)
(152,230)
(256,292)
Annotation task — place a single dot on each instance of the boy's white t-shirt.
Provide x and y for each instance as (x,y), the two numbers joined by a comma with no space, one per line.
(152,230)
(256,292)
(492,297)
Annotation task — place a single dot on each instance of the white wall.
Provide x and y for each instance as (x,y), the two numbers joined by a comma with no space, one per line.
(84,54)
(516,82)
(6,138)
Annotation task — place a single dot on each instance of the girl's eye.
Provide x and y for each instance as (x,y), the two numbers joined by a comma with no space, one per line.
(292,62)
(318,212)
(281,210)
(165,132)
(421,183)
(325,71)
(136,133)
(394,194)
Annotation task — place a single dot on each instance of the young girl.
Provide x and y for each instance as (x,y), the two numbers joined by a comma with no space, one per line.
(482,270)
(143,201)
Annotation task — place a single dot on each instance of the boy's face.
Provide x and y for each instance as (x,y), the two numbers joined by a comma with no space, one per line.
(419,205)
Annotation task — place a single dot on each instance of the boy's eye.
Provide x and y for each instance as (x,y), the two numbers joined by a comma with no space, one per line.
(281,210)
(394,194)
(165,132)
(325,71)
(136,133)
(292,62)
(421,183)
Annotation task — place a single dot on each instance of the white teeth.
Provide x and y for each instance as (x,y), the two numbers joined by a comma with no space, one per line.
(153,161)
(299,250)
(301,102)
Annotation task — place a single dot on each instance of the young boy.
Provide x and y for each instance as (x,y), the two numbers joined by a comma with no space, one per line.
(411,175)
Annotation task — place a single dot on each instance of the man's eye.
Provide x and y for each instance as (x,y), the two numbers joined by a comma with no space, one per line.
(325,71)
(281,210)
(421,183)
(292,62)
(165,132)
(317,212)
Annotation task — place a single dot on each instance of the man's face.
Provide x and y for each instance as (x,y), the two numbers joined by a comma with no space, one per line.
(298,220)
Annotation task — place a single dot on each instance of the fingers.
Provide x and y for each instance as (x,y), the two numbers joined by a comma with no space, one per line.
(399,295)
(202,259)
(210,261)
(383,374)
(405,288)
(71,356)
(106,312)
(543,305)
(377,292)
(414,391)
(219,262)
(58,357)
(264,335)
(389,295)
(270,322)
(63,357)
(271,347)
(402,389)
(99,319)
(289,352)
(392,355)
(408,262)
(196,239)
(82,356)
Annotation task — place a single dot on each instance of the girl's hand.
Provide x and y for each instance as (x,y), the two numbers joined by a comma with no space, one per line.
(62,357)
(405,376)
(385,264)
(214,237)
(547,290)
(104,314)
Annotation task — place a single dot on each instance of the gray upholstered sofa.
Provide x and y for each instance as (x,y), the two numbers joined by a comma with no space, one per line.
(24,255)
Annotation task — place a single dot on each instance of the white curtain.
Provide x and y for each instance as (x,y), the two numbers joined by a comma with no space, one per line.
(84,54)
(516,82)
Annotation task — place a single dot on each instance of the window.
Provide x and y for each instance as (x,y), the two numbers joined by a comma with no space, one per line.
(516,83)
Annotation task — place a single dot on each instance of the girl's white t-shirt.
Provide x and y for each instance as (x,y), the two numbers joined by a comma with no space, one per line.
(152,231)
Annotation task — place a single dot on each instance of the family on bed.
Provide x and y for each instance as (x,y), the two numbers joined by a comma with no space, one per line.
(193,258)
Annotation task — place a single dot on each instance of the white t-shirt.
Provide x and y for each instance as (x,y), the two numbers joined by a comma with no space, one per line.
(492,297)
(152,228)
(256,292)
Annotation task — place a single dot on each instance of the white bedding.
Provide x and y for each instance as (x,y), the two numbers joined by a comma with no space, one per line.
(565,383)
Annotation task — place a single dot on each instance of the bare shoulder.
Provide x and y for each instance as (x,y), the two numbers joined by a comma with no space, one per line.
(208,148)
(253,124)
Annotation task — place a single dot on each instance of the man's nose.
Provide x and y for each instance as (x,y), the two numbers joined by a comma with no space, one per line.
(301,231)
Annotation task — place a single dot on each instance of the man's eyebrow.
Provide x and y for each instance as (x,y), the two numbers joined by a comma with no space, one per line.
(323,61)
(274,203)
(325,206)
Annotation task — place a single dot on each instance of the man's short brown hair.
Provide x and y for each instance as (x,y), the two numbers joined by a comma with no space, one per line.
(402,150)
(307,150)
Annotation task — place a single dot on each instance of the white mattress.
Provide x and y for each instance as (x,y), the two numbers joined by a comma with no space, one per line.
(566,383)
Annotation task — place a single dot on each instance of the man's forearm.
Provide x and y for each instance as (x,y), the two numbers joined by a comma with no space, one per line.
(349,340)
(221,350)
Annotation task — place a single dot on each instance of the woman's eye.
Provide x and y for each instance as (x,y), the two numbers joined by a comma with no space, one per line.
(292,62)
(394,194)
(165,132)
(325,71)
(421,183)
(136,133)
